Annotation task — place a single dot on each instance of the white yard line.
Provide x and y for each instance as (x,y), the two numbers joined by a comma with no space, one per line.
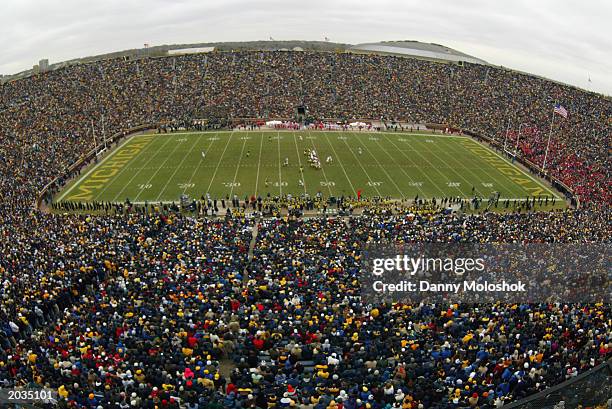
(195,142)
(403,196)
(219,163)
(420,168)
(436,169)
(297,150)
(452,168)
(280,177)
(341,166)
(199,163)
(364,171)
(496,176)
(159,167)
(539,183)
(259,164)
(137,173)
(403,170)
(237,167)
(482,145)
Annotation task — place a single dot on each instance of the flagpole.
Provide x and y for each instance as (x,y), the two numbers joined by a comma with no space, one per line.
(552,121)
(103,131)
(502,123)
(506,139)
(93,133)
(518,138)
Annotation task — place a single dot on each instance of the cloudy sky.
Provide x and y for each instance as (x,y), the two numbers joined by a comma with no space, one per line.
(565,40)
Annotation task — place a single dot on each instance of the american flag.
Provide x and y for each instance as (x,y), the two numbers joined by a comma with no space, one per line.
(560,110)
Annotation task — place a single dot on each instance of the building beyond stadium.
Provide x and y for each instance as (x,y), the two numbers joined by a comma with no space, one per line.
(416,49)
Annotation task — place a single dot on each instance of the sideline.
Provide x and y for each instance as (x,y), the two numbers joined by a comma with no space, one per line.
(74,182)
(80,178)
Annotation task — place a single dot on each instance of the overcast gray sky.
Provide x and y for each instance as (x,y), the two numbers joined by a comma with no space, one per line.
(565,40)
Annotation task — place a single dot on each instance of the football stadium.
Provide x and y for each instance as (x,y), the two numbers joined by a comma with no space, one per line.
(193,226)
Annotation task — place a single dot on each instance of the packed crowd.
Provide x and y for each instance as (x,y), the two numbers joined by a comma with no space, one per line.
(131,309)
(117,94)
(169,311)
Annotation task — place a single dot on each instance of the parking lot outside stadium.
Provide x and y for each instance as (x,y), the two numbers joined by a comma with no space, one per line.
(139,309)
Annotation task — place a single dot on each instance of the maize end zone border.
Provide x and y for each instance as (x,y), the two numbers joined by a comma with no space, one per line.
(159,168)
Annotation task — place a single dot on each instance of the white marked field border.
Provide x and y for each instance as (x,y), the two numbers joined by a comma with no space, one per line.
(501,200)
(82,178)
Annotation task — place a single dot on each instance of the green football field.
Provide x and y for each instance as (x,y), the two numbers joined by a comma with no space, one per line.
(162,167)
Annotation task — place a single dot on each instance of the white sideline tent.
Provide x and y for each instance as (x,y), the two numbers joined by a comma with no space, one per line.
(273,123)
(357,124)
